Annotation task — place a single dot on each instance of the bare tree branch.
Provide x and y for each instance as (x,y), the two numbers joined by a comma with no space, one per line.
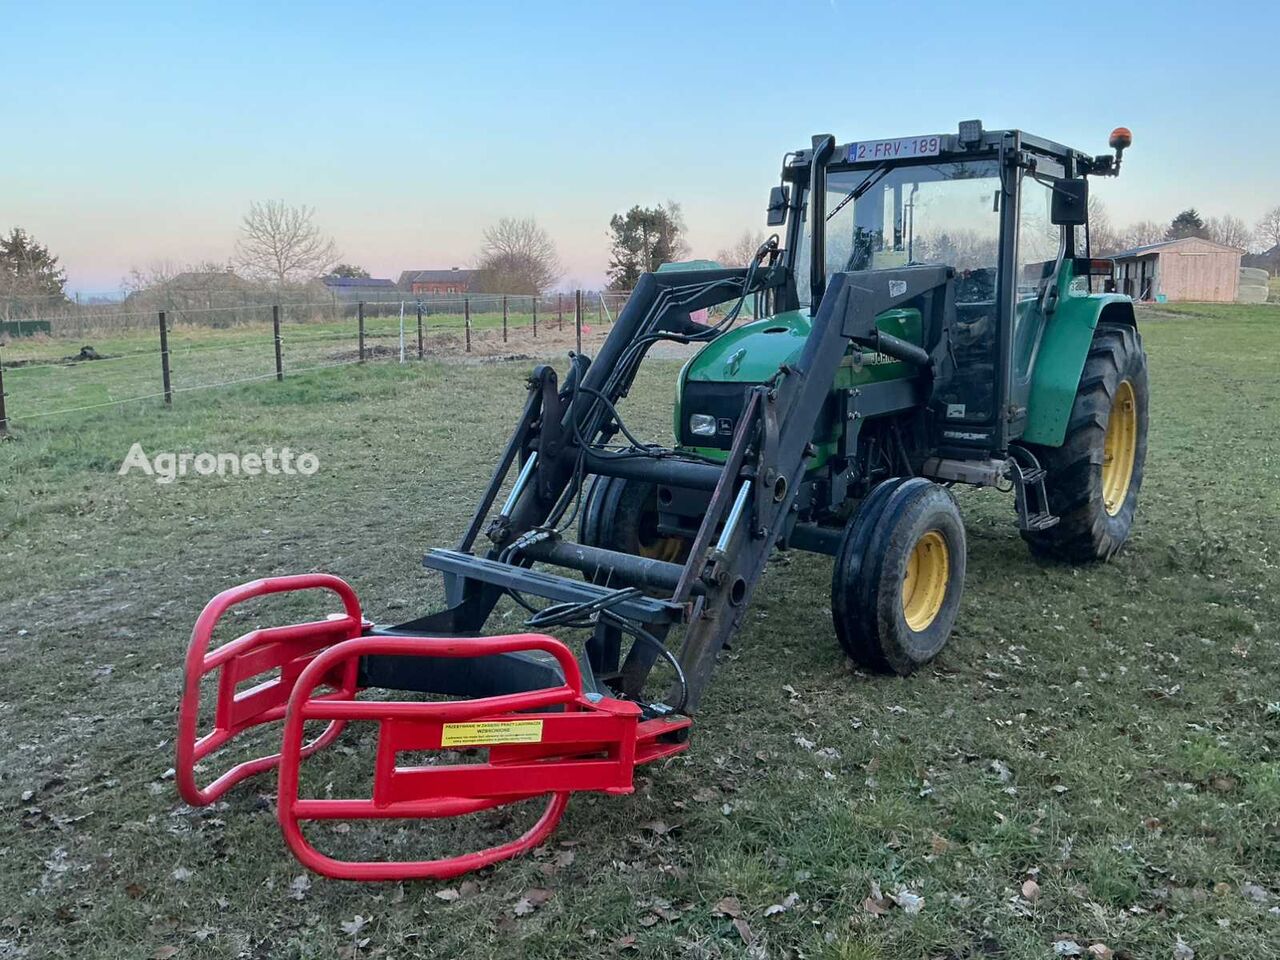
(1230,231)
(282,244)
(741,251)
(1268,229)
(518,257)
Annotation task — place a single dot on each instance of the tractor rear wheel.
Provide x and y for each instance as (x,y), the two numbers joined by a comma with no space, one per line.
(622,515)
(899,576)
(1093,479)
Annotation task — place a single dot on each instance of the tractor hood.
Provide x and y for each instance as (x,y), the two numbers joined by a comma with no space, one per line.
(753,352)
(715,381)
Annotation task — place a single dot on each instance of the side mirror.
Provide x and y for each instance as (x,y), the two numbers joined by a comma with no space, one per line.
(778,202)
(1070,203)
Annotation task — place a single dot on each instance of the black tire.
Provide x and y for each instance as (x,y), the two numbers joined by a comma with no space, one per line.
(1090,529)
(869,602)
(622,515)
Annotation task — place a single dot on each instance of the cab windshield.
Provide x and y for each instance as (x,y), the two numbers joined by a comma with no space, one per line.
(942,213)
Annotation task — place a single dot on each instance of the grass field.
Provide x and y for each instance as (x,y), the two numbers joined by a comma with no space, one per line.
(1094,758)
(42,379)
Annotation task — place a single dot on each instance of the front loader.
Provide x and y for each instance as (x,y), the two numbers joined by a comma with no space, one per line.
(924,317)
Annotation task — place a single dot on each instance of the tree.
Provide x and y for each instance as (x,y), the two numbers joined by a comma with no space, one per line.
(741,252)
(1230,231)
(1104,239)
(282,244)
(1268,229)
(1141,234)
(1186,224)
(350,271)
(161,273)
(29,274)
(518,256)
(643,239)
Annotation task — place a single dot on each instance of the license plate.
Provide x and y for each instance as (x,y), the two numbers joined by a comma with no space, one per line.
(903,148)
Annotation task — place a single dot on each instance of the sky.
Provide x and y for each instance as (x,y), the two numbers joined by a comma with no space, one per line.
(139,133)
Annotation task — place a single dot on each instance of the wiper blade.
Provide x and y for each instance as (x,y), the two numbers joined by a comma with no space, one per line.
(871,180)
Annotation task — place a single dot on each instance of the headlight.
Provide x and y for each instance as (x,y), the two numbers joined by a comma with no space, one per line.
(702,425)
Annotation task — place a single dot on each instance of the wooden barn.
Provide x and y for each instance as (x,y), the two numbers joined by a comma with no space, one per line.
(1188,269)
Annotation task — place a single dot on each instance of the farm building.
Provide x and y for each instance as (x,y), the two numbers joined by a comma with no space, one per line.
(436,281)
(1191,268)
(355,289)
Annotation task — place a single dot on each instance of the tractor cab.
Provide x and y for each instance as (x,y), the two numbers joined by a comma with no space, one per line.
(1004,211)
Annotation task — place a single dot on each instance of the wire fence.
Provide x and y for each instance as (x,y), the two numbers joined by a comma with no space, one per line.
(62,365)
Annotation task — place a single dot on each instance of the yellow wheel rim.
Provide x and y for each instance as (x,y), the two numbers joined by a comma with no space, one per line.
(924,586)
(1119,449)
(663,548)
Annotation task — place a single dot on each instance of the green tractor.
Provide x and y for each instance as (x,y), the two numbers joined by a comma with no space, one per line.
(1016,373)
(925,316)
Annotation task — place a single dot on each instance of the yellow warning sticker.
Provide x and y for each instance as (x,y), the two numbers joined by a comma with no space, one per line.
(496,731)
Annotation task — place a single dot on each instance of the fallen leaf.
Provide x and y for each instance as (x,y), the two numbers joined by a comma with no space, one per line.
(469,888)
(876,903)
(1182,950)
(744,931)
(1030,890)
(533,898)
(299,886)
(789,901)
(804,742)
(939,845)
(353,926)
(133,890)
(1066,948)
(727,907)
(648,920)
(659,827)
(1101,951)
(909,902)
(448,895)
(625,943)
(182,874)
(1251,891)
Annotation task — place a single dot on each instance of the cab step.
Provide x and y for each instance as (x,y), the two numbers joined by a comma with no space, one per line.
(1029,493)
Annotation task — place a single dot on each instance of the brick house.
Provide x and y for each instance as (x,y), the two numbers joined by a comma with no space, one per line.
(436,281)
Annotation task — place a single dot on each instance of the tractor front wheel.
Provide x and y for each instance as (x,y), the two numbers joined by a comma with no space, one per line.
(899,575)
(1093,479)
(622,515)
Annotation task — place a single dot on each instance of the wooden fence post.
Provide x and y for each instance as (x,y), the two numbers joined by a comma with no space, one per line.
(164,361)
(466,319)
(420,351)
(577,317)
(4,417)
(560,311)
(534,301)
(504,319)
(275,326)
(360,316)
